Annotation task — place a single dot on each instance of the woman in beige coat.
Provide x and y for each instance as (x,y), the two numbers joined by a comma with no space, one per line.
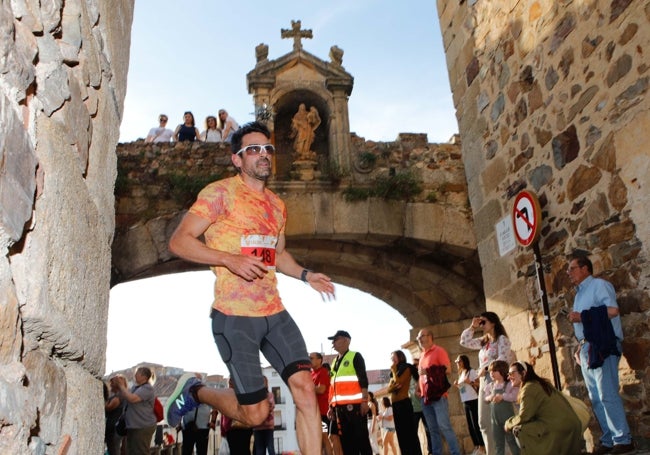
(546,424)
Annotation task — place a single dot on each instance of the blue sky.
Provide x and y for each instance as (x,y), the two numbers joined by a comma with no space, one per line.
(195,55)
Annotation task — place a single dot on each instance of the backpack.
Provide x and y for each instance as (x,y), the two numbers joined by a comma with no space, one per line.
(158,410)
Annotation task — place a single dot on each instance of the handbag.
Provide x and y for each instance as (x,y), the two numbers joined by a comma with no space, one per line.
(120,426)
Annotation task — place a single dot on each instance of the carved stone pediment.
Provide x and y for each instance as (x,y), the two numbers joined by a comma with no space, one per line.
(296,65)
(298,78)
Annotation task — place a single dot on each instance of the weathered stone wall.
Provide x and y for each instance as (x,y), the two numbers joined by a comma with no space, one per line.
(551,96)
(63,73)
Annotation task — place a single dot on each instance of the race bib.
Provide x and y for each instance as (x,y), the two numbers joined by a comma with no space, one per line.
(262,246)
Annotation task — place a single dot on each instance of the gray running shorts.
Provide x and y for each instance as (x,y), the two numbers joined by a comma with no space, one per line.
(240,340)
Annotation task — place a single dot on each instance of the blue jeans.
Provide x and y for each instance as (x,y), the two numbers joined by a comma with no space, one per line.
(436,416)
(602,385)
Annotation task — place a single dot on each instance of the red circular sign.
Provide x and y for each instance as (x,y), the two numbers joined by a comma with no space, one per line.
(526,218)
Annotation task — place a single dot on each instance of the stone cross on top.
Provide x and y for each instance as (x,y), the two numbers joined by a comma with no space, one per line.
(296,34)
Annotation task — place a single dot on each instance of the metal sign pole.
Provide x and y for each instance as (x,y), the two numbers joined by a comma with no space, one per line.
(547,316)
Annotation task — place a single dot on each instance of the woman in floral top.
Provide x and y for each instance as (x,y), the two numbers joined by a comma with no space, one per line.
(492,345)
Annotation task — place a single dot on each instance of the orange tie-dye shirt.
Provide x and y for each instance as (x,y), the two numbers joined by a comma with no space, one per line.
(244,221)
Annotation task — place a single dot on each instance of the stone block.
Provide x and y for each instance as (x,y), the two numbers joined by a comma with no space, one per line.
(300,214)
(386,217)
(350,217)
(424,221)
(17,168)
(583,179)
(485,218)
(494,172)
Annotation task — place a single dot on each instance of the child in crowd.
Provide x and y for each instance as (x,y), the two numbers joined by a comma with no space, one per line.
(388,425)
(501,395)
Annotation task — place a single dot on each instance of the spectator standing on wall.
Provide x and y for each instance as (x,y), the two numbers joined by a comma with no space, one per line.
(161,133)
(212,131)
(187,130)
(229,125)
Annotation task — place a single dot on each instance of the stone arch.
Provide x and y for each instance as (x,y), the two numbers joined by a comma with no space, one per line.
(426,281)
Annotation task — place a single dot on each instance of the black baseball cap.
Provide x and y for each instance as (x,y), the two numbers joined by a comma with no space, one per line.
(340,333)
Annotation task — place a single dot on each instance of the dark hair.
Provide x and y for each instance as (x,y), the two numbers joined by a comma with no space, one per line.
(248,128)
(499,329)
(501,366)
(386,402)
(527,373)
(189,112)
(371,397)
(583,261)
(145,371)
(464,361)
(401,358)
(317,354)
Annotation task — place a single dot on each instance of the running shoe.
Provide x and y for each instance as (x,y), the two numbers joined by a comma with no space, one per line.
(181,401)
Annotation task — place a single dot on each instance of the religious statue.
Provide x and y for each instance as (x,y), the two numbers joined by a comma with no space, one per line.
(303,131)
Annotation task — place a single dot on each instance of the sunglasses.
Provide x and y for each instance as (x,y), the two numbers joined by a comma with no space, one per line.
(256,149)
(482,322)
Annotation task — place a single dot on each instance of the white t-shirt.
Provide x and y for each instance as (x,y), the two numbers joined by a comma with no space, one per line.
(467,392)
(161,134)
(211,136)
(388,424)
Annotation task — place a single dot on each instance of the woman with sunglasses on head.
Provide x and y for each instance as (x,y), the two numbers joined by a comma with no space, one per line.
(546,423)
(493,344)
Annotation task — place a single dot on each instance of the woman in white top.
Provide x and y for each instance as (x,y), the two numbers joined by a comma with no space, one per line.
(229,125)
(162,133)
(467,384)
(212,131)
(494,344)
(388,425)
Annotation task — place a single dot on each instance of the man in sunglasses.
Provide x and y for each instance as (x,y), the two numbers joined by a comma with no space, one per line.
(242,223)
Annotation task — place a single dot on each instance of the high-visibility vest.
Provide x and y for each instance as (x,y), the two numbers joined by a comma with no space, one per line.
(345,387)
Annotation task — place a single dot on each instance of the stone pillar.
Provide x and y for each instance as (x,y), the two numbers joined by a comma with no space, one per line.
(339,133)
(59,125)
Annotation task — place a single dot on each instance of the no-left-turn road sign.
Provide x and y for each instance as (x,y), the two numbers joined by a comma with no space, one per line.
(526,218)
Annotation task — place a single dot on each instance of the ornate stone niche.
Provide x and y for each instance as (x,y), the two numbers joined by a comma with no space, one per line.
(300,78)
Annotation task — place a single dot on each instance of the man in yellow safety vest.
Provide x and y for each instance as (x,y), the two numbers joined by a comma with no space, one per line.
(349,397)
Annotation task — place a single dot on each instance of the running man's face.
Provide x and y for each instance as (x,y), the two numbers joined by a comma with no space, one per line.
(255,166)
